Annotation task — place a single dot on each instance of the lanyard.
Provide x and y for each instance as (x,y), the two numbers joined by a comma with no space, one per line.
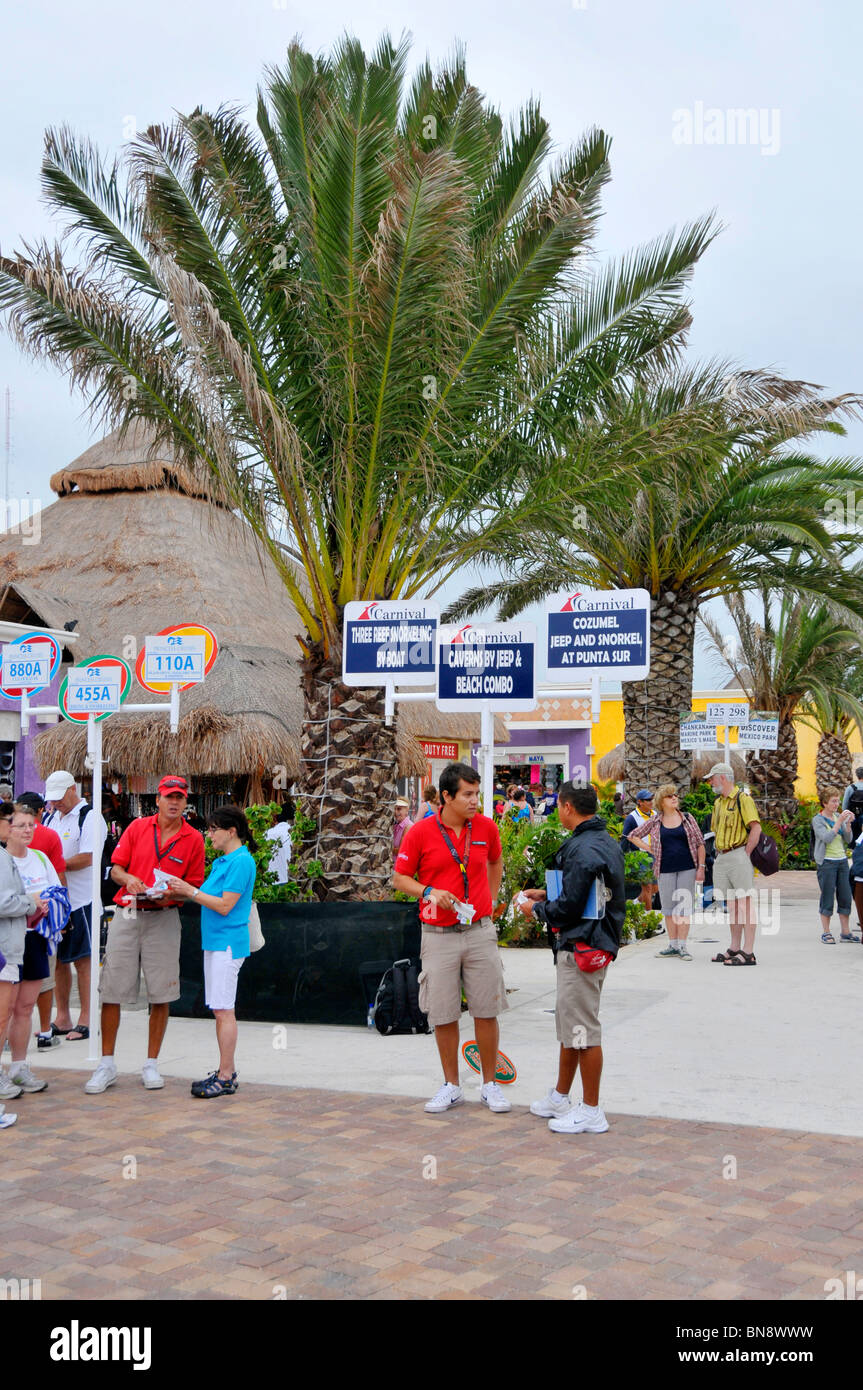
(160,853)
(462,863)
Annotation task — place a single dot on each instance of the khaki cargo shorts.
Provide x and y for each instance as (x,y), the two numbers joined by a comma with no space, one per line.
(450,958)
(52,970)
(149,943)
(577,1009)
(733,874)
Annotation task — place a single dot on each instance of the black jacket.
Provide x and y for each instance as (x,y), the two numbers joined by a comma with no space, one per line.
(588,853)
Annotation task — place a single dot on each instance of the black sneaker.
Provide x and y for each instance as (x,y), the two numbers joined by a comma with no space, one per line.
(49,1040)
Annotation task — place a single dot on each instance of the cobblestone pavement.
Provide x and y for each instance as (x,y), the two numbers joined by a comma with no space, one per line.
(321,1194)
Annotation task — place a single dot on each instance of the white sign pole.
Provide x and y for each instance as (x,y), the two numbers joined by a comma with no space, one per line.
(25,713)
(175,707)
(487,753)
(94,750)
(389,702)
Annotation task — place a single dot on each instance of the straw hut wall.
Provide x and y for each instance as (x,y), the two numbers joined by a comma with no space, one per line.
(611,766)
(132,546)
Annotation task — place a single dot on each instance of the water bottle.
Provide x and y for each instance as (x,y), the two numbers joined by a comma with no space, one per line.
(370,1016)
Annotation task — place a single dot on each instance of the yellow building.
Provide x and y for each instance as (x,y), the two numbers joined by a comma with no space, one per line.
(609,731)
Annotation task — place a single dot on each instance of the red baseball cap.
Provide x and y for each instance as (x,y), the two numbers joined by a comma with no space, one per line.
(173,784)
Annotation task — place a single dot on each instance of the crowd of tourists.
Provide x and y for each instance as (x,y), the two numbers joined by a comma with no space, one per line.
(47,917)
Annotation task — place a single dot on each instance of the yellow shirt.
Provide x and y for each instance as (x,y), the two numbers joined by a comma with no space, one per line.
(731,819)
(836,847)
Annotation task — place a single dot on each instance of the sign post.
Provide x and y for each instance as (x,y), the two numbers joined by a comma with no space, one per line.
(484,668)
(593,632)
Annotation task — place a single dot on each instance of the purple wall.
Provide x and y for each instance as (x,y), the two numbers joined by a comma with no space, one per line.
(27,778)
(576,740)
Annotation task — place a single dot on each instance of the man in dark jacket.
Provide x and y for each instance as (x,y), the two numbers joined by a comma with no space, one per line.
(587,919)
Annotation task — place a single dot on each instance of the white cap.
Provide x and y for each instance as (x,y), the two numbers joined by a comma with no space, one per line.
(720,770)
(57,785)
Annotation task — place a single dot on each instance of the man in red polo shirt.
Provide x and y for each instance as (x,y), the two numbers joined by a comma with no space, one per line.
(452,862)
(145,934)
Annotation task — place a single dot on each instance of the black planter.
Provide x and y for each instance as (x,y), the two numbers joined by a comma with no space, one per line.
(308,970)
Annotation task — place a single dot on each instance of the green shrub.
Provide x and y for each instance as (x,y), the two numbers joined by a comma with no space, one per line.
(699,800)
(267,890)
(638,866)
(640,922)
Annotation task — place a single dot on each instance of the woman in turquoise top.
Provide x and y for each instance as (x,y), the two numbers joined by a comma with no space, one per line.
(226,900)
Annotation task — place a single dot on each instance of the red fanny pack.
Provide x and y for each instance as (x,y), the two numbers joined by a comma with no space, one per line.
(588,959)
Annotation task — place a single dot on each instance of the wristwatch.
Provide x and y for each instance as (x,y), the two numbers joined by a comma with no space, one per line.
(426,892)
(194,895)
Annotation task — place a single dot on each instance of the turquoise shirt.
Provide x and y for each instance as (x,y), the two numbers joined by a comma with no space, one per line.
(231,873)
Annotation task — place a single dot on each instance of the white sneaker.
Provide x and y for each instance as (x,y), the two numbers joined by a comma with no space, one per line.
(579,1121)
(6,1120)
(492,1095)
(446,1098)
(548,1107)
(8,1089)
(21,1075)
(150,1076)
(104,1076)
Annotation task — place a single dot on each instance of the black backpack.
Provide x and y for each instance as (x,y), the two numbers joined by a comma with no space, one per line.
(855,803)
(397,1008)
(109,887)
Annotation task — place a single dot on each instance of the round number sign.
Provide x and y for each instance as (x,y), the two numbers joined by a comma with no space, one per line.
(211,651)
(14,692)
(112,663)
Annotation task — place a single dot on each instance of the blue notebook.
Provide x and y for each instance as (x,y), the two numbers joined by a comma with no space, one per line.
(594,908)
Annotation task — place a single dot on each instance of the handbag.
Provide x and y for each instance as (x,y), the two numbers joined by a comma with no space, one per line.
(765,855)
(256,936)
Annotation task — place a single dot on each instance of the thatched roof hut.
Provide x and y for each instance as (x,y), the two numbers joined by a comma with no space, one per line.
(610,767)
(133,545)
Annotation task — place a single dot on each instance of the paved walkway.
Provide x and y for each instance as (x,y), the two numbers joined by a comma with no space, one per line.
(344,1188)
(319,1194)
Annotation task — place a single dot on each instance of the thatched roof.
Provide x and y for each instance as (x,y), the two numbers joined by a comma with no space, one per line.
(610,767)
(424,720)
(128,464)
(123,564)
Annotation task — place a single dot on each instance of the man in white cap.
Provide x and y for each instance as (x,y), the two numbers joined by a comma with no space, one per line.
(81,837)
(735,823)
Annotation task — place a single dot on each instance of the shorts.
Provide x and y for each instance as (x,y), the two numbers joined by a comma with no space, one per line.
(732,872)
(149,943)
(75,941)
(221,973)
(450,959)
(48,982)
(676,891)
(577,1008)
(10,974)
(36,957)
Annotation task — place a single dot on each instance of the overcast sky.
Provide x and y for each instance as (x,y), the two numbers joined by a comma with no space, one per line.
(780,288)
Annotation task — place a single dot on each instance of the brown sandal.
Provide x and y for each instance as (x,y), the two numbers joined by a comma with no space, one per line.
(741,958)
(722,958)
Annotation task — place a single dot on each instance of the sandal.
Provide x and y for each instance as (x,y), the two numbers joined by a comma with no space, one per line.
(850,937)
(723,957)
(214,1086)
(79,1034)
(828,938)
(59,1032)
(741,958)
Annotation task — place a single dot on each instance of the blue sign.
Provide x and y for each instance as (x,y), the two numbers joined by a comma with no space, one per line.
(390,641)
(590,631)
(492,664)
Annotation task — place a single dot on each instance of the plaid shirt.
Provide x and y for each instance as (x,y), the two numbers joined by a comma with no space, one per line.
(650,831)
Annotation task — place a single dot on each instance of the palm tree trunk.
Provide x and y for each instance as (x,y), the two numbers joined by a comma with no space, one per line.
(771,773)
(651,708)
(833,762)
(348,784)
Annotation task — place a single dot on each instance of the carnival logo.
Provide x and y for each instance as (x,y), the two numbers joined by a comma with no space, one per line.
(567,607)
(459,637)
(376,612)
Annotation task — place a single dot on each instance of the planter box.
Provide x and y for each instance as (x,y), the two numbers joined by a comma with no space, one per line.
(308,970)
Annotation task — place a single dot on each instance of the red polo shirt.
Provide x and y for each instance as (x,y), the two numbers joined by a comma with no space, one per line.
(425,856)
(50,844)
(140,851)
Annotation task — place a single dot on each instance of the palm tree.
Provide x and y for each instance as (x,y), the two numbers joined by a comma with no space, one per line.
(790,659)
(707,501)
(366,318)
(835,720)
